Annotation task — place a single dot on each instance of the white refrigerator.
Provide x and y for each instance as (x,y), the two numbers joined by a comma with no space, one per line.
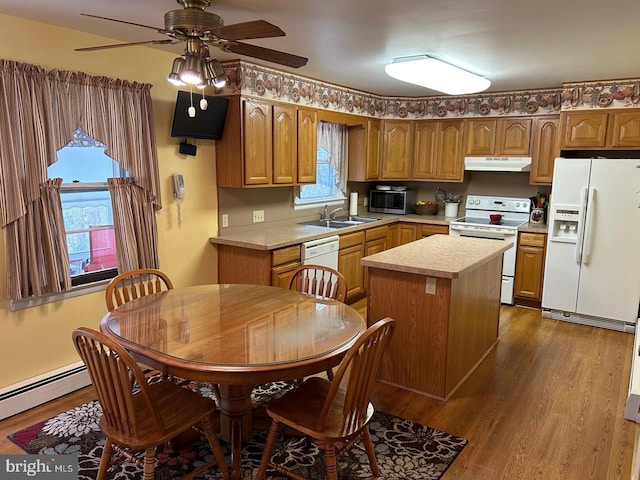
(592,266)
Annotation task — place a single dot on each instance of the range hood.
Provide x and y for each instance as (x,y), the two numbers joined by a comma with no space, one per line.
(497,164)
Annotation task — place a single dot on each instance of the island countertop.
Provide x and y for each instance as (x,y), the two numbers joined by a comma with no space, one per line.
(441,256)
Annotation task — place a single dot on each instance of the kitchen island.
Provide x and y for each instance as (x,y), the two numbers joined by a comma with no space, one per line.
(444,293)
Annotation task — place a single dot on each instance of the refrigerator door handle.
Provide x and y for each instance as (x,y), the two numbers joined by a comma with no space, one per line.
(588,234)
(579,236)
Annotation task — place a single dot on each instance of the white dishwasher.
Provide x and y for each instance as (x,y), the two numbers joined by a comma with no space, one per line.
(323,251)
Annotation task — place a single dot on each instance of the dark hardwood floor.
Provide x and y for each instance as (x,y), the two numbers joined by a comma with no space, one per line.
(547,403)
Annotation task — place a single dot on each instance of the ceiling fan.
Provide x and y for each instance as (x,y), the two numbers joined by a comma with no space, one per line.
(199,29)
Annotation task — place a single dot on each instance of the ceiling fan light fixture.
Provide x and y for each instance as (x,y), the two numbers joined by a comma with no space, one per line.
(176,70)
(437,75)
(219,77)
(191,73)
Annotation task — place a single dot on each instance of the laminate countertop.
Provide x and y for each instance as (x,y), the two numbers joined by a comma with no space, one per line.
(285,235)
(438,256)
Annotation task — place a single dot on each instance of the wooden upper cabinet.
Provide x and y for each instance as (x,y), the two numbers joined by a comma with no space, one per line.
(618,129)
(285,144)
(450,160)
(625,129)
(502,136)
(307,145)
(257,143)
(438,150)
(545,149)
(425,149)
(365,143)
(373,147)
(481,137)
(397,151)
(266,144)
(584,129)
(514,136)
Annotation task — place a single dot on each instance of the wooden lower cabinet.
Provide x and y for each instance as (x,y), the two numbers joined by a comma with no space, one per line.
(283,262)
(428,229)
(439,338)
(274,267)
(257,267)
(377,240)
(404,233)
(529,269)
(349,256)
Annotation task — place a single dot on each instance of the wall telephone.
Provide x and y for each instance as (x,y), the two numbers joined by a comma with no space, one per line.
(178,186)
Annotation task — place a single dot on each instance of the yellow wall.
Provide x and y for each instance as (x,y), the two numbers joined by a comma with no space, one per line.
(37,340)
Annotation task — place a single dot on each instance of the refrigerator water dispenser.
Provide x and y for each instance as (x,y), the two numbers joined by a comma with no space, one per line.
(565,223)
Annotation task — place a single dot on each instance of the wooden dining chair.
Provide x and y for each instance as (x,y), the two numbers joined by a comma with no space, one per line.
(320,281)
(138,416)
(135,284)
(335,413)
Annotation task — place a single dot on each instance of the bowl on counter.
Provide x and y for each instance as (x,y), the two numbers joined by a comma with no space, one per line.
(427,209)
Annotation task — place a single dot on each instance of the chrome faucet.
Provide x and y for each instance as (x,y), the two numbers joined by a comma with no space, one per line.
(325,215)
(332,213)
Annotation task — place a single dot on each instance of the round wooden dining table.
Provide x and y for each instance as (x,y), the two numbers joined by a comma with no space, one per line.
(235,336)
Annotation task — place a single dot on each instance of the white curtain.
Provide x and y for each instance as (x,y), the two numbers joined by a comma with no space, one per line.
(333,138)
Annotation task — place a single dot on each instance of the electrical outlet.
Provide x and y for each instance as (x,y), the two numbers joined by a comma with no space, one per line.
(225,220)
(258,216)
(431,286)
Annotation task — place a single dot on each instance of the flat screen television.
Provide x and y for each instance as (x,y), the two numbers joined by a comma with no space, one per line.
(208,124)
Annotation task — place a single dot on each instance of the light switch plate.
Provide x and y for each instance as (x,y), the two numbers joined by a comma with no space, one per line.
(225,220)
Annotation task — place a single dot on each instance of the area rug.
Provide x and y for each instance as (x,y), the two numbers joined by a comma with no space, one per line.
(404,449)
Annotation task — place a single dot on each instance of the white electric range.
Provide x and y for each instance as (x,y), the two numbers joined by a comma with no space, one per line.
(477,223)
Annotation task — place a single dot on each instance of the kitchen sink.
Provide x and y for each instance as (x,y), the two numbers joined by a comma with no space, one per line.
(356,219)
(341,222)
(331,223)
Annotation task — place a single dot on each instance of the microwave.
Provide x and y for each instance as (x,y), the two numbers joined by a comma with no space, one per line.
(392,201)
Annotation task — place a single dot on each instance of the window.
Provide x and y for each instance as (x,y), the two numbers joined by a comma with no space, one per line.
(330,168)
(86,207)
(325,189)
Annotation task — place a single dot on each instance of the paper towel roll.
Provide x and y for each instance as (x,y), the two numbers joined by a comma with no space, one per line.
(353,203)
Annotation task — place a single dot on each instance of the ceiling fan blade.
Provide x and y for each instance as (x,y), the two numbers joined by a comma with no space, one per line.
(246,30)
(267,54)
(116,45)
(159,30)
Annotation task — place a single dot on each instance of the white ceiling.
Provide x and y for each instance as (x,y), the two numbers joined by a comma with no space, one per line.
(517,44)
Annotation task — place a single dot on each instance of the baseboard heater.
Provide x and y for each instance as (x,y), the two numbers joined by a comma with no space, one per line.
(632,409)
(35,391)
(582,319)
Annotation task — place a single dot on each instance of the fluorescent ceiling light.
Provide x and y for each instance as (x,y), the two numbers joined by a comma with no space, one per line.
(437,75)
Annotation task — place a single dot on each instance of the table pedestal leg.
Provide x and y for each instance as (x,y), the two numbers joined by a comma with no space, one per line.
(236,421)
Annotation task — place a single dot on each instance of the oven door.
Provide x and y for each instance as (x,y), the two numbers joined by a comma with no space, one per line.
(508,259)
